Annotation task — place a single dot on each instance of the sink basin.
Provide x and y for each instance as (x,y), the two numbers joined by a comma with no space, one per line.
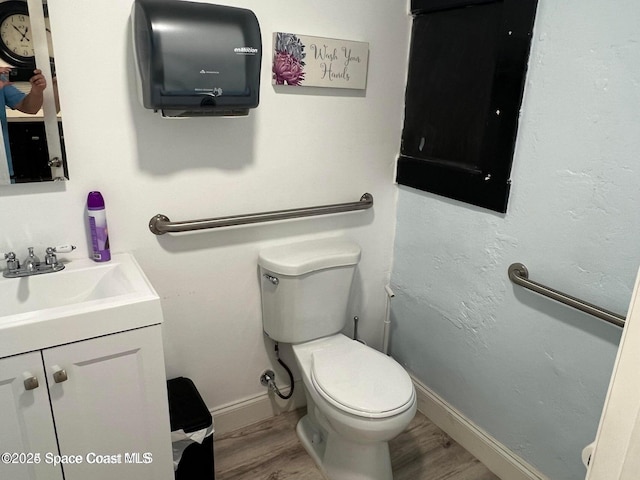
(85,300)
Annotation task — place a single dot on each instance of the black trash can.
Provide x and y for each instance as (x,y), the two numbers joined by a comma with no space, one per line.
(188,412)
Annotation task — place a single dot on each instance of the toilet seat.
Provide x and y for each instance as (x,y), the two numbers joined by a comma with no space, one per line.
(361,381)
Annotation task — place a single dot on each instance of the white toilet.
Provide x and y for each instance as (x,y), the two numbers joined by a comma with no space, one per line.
(357,398)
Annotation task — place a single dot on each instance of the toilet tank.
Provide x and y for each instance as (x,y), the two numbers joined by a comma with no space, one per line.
(305,288)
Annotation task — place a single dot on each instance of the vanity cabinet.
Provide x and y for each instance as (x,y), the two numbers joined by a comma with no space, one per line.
(26,424)
(102,401)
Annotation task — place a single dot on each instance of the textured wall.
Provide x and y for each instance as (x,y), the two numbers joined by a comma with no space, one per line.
(530,372)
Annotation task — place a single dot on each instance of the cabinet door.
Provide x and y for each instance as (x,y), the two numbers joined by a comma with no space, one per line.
(110,406)
(26,425)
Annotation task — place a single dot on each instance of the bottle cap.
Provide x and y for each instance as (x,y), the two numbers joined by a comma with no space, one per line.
(95,201)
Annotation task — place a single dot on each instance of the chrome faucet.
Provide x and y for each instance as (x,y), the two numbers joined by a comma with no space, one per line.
(32,264)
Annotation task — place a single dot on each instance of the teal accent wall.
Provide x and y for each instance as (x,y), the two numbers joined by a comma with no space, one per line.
(531,372)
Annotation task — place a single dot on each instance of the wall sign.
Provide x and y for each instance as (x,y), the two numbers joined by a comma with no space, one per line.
(305,61)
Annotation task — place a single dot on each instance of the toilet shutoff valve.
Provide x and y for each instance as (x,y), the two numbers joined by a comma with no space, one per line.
(268,378)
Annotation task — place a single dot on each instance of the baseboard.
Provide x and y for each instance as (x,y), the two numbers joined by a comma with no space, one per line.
(495,456)
(255,409)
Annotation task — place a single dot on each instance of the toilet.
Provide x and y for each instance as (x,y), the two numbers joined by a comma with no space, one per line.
(357,398)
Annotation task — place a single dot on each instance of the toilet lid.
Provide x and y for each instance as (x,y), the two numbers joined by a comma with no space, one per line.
(361,380)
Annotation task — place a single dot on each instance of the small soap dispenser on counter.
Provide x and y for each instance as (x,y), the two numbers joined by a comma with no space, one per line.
(98,227)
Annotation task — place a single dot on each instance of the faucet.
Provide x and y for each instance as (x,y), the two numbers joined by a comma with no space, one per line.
(32,264)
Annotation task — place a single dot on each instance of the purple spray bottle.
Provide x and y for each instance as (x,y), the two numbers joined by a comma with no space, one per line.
(98,227)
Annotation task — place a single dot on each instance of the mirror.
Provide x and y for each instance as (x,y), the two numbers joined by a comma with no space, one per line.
(31,131)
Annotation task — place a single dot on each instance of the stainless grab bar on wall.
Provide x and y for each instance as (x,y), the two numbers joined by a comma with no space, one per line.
(160,224)
(519,275)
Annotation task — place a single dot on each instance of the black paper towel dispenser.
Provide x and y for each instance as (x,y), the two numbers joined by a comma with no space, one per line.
(196,59)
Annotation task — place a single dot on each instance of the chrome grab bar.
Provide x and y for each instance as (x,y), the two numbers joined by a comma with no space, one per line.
(519,275)
(160,224)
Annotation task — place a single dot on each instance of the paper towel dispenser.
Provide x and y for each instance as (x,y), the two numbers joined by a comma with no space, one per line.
(196,59)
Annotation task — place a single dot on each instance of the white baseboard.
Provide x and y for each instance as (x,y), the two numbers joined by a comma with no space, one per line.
(255,409)
(495,456)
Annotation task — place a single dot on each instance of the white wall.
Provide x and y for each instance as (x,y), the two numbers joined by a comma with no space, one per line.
(531,372)
(299,148)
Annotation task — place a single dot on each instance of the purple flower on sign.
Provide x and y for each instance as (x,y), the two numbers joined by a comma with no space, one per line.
(288,60)
(287,69)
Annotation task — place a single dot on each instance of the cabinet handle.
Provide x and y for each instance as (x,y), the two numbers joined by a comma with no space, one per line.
(60,376)
(31,382)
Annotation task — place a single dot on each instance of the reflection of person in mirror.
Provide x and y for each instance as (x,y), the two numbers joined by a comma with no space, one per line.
(13,98)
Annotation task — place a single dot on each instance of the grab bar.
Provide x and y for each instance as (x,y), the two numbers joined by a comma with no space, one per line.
(160,224)
(519,275)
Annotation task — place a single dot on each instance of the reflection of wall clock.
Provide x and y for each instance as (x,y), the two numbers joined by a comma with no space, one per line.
(16,39)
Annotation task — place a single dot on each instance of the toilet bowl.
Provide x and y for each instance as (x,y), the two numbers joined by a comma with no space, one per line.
(357,400)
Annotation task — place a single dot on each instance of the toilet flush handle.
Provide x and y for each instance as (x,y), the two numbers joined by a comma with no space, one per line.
(271,278)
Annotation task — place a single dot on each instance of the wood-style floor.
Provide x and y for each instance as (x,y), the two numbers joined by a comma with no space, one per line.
(270,450)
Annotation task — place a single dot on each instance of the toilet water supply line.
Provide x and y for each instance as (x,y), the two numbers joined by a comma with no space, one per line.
(268,378)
